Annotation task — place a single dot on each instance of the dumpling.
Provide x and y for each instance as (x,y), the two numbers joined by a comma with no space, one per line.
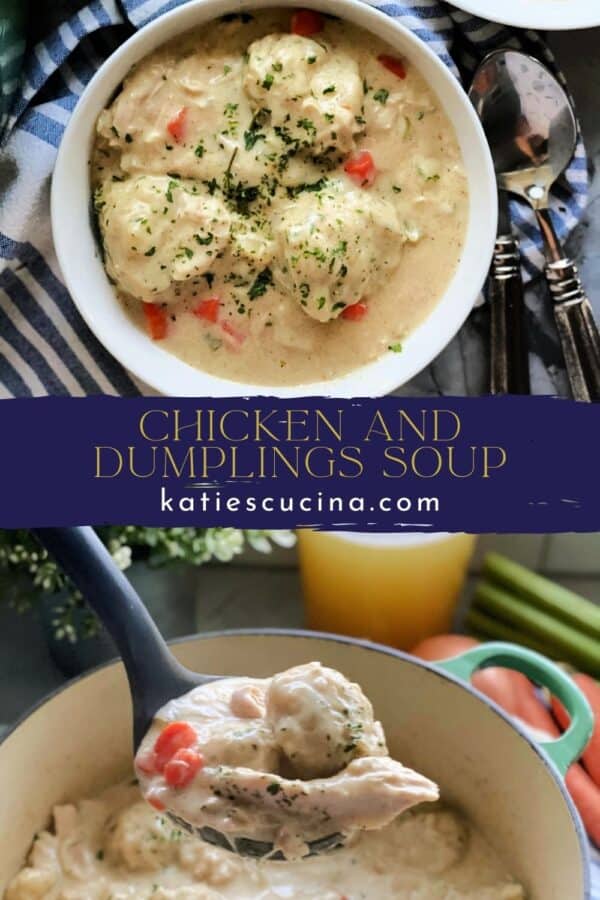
(321,720)
(31,884)
(314,94)
(336,246)
(159,230)
(140,840)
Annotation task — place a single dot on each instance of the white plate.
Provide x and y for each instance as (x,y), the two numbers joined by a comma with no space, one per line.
(547,15)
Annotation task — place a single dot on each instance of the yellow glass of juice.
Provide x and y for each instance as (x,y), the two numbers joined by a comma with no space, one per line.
(392,588)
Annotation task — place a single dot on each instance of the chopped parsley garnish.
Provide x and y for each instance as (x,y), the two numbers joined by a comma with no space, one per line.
(312,186)
(254,133)
(304,289)
(170,188)
(311,60)
(268,81)
(260,284)
(273,788)
(381,96)
(128,138)
(251,137)
(395,348)
(211,185)
(199,151)
(150,252)
(396,189)
(277,67)
(330,89)
(204,241)
(307,125)
(240,195)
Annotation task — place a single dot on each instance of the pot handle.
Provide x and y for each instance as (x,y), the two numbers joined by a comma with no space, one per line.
(563,751)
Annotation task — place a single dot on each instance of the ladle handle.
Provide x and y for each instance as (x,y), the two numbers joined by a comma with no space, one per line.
(573,314)
(154,674)
(509,356)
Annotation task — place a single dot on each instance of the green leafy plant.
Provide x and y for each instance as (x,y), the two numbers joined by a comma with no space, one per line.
(29,573)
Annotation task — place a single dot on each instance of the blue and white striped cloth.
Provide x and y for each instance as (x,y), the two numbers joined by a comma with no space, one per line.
(45,347)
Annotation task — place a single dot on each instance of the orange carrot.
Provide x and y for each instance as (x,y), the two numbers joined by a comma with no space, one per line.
(586,797)
(156,321)
(443,646)
(503,686)
(591,689)
(584,793)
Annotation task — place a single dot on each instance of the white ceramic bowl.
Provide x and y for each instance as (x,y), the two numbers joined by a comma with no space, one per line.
(79,255)
(549,15)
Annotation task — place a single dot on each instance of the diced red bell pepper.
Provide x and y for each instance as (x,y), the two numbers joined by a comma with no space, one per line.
(183,768)
(236,336)
(156,321)
(177,125)
(154,801)
(355,312)
(361,168)
(393,64)
(208,309)
(174,736)
(306,22)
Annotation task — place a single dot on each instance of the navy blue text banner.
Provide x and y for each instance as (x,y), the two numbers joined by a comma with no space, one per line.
(497,464)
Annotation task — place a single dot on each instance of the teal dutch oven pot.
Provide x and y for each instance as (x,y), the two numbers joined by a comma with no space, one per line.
(79,740)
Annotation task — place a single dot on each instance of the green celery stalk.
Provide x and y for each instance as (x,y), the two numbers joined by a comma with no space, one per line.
(544,594)
(487,628)
(564,641)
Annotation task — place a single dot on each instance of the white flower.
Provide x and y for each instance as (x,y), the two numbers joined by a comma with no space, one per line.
(122,557)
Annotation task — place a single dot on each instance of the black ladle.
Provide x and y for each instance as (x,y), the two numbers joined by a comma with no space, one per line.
(154,675)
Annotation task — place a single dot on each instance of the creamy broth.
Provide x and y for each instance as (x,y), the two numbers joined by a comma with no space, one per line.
(278,207)
(289,760)
(114,847)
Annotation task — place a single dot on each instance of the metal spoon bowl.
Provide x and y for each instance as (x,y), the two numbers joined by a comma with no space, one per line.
(154,675)
(532,131)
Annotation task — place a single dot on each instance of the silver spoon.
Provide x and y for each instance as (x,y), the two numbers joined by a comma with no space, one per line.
(509,354)
(532,132)
(154,675)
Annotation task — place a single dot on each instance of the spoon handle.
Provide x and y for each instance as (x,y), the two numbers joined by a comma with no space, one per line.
(574,316)
(577,330)
(154,674)
(509,356)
